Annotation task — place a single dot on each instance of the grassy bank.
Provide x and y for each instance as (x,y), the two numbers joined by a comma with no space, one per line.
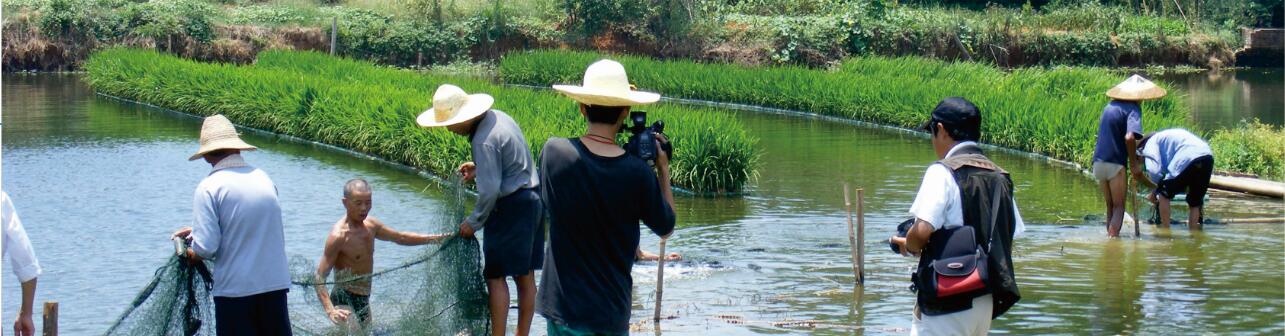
(1050,112)
(1071,34)
(59,34)
(357,105)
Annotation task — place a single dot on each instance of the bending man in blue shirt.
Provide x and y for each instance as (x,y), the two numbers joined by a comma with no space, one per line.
(1177,162)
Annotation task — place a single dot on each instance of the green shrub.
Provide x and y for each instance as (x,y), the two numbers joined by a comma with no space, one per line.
(271,15)
(1254,148)
(370,109)
(162,19)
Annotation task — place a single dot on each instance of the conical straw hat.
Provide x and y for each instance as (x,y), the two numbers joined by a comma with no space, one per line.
(1136,88)
(218,133)
(451,105)
(605,84)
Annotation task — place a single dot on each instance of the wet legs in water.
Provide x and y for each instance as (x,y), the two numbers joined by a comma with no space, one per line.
(1113,192)
(499,304)
(1166,214)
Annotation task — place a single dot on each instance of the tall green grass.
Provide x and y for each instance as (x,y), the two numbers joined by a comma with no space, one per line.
(1052,112)
(370,109)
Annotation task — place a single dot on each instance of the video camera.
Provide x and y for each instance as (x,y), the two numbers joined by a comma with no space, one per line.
(902,230)
(643,136)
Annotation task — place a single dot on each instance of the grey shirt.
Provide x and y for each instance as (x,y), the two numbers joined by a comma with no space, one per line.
(503,161)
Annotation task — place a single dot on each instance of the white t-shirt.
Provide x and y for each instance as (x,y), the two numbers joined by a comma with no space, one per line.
(939,203)
(16,244)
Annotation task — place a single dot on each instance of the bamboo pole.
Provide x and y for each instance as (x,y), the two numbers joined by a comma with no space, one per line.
(660,279)
(50,319)
(852,238)
(334,34)
(1261,220)
(1247,185)
(1133,197)
(861,236)
(861,233)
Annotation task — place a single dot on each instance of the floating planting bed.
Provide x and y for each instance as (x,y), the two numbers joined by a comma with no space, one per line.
(1052,112)
(371,109)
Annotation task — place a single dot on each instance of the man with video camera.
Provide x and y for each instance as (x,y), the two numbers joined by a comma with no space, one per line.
(595,193)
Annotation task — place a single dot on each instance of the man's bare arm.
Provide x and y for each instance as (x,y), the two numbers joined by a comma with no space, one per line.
(1135,161)
(327,262)
(385,233)
(918,236)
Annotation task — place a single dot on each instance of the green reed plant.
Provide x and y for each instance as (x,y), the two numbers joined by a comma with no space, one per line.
(1255,148)
(371,109)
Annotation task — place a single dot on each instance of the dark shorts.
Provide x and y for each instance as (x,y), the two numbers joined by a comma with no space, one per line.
(557,329)
(513,241)
(259,314)
(360,304)
(1193,181)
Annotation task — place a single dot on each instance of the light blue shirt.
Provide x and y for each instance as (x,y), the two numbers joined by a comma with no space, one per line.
(236,224)
(1169,152)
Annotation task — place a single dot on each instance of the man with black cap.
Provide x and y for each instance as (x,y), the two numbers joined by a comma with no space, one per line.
(963,280)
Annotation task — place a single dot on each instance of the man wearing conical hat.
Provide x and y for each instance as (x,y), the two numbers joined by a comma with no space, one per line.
(596,195)
(236,224)
(1119,129)
(508,206)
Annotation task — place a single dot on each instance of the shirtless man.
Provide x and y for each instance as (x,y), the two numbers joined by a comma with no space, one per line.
(350,248)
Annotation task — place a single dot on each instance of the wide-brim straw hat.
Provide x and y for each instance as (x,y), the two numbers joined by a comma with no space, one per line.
(451,105)
(605,84)
(1136,88)
(217,132)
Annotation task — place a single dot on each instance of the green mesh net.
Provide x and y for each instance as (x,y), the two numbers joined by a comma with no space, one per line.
(438,292)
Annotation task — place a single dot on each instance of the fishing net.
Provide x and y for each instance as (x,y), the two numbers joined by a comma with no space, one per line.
(439,291)
(176,302)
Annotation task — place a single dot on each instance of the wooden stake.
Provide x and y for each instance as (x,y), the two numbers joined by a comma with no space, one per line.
(660,279)
(852,238)
(50,319)
(861,236)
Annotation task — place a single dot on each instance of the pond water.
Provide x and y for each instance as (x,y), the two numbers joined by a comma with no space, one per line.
(100,184)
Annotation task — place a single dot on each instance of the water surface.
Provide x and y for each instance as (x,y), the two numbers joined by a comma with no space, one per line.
(100,185)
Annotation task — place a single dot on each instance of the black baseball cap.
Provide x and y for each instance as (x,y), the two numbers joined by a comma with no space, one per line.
(956,113)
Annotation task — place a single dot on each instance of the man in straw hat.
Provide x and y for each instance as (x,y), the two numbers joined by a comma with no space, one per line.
(1118,131)
(596,195)
(237,225)
(508,206)
(963,195)
(1177,162)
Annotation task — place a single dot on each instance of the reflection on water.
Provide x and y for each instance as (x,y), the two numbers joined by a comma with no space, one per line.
(1223,99)
(775,261)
